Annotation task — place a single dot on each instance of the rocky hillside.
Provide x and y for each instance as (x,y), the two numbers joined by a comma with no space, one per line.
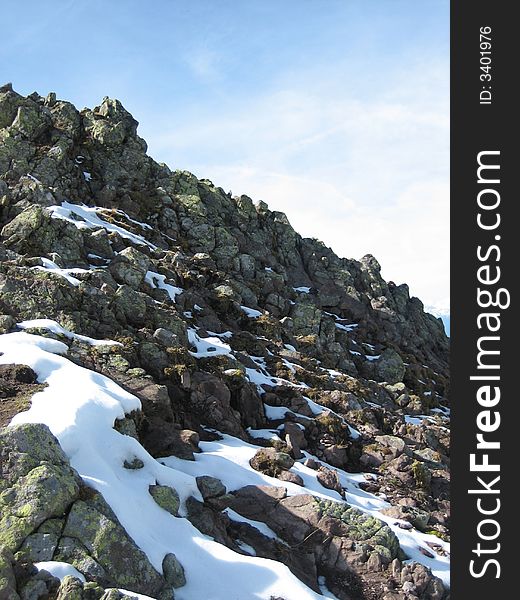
(195,401)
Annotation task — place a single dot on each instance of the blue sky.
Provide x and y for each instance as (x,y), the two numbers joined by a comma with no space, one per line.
(334,111)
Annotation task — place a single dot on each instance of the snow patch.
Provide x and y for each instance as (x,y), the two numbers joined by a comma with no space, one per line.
(59,330)
(210,346)
(52,267)
(86,217)
(83,423)
(156,280)
(251,312)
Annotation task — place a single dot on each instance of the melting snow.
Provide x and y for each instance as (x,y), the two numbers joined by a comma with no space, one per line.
(210,346)
(156,280)
(228,459)
(262,527)
(263,434)
(83,423)
(52,267)
(86,217)
(33,178)
(58,329)
(348,327)
(317,409)
(251,312)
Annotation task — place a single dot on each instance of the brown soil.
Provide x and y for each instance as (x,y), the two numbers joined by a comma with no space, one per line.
(18,384)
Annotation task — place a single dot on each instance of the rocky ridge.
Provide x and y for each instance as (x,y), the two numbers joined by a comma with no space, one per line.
(229,328)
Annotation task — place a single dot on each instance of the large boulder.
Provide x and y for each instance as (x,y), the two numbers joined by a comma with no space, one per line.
(36,482)
(93,524)
(130,267)
(34,231)
(388,367)
(211,399)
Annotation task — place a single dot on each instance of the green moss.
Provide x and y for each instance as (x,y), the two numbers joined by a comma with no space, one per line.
(166,497)
(422,475)
(441,536)
(45,492)
(362,527)
(333,425)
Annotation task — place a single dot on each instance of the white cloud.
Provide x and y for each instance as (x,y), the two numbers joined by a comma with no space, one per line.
(366,175)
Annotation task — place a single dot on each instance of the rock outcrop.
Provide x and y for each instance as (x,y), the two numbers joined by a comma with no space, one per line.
(48,514)
(227,323)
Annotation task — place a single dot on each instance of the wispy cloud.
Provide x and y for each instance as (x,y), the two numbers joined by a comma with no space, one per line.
(203,63)
(364,174)
(338,117)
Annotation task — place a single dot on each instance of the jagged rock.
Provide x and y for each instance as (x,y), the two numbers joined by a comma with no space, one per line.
(130,267)
(417,517)
(248,404)
(72,551)
(208,521)
(7,577)
(173,571)
(98,244)
(210,487)
(17,386)
(295,439)
(36,482)
(271,462)
(422,582)
(36,589)
(290,477)
(134,464)
(110,546)
(311,463)
(71,588)
(6,323)
(394,444)
(211,398)
(329,479)
(166,338)
(130,305)
(126,426)
(39,547)
(92,591)
(388,367)
(224,252)
(343,538)
(306,318)
(33,230)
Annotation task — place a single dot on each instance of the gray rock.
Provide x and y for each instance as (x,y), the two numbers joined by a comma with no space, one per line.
(37,482)
(109,544)
(271,462)
(166,497)
(166,338)
(35,589)
(70,588)
(7,578)
(173,571)
(129,267)
(40,546)
(389,367)
(210,487)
